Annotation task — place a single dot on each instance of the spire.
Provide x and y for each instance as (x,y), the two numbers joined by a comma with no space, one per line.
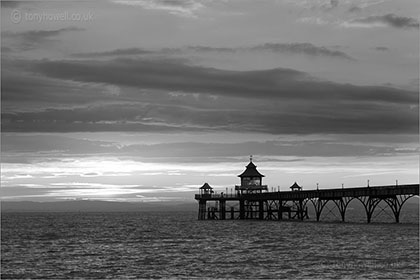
(251,170)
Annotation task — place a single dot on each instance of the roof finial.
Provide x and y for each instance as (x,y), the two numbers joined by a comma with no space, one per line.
(250,158)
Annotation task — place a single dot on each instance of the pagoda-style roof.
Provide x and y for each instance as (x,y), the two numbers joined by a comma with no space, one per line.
(206,187)
(295,186)
(251,171)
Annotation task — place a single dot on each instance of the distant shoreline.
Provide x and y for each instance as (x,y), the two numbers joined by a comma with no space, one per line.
(93,206)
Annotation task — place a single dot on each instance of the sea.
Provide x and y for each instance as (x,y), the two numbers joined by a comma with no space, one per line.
(175,245)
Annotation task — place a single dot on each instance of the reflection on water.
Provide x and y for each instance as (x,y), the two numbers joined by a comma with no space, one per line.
(163,245)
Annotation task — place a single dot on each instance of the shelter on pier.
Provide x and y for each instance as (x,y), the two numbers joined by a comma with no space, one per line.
(251,180)
(295,187)
(206,189)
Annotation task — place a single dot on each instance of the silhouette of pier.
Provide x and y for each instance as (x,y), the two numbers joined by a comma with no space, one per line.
(252,200)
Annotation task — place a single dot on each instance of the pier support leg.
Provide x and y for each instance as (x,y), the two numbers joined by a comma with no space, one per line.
(395,207)
(280,214)
(370,204)
(202,210)
(300,210)
(241,209)
(342,204)
(318,205)
(342,208)
(222,209)
(232,213)
(396,203)
(261,210)
(397,216)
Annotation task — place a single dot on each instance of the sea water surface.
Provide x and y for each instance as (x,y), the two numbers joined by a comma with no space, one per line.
(177,245)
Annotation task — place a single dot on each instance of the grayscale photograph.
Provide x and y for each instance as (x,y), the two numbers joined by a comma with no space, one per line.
(210,139)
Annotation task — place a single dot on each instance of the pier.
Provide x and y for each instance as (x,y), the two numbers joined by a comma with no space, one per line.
(252,200)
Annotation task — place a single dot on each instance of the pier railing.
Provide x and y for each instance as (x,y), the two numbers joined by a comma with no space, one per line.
(217,196)
(323,194)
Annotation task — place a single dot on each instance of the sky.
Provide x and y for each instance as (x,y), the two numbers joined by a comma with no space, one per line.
(144,101)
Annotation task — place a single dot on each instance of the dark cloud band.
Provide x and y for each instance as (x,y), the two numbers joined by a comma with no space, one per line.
(391,20)
(286,48)
(172,95)
(176,75)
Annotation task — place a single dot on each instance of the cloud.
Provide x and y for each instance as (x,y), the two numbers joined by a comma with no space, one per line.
(334,3)
(183,8)
(49,146)
(312,5)
(355,9)
(391,20)
(26,91)
(171,95)
(369,3)
(9,4)
(314,20)
(55,144)
(73,190)
(289,48)
(5,50)
(117,52)
(265,149)
(177,75)
(210,49)
(32,39)
(266,116)
(303,48)
(382,49)
(329,6)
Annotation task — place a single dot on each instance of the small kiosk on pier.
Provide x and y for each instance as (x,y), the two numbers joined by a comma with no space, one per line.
(295,187)
(206,190)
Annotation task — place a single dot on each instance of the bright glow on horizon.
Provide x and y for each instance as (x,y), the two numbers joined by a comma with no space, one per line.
(83,178)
